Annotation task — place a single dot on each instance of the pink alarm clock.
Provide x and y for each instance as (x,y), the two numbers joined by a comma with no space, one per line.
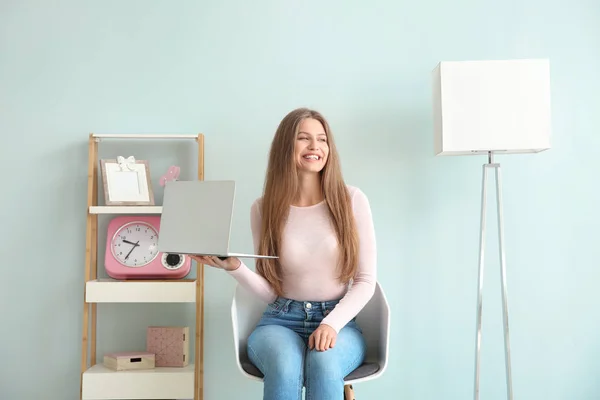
(132,251)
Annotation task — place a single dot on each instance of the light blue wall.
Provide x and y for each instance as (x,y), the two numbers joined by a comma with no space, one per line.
(232,70)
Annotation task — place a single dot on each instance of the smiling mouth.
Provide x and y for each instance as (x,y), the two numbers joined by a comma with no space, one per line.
(312,157)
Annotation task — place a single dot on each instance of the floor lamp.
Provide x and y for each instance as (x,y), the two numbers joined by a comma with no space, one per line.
(487,108)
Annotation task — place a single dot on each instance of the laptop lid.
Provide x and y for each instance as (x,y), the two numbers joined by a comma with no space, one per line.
(196,217)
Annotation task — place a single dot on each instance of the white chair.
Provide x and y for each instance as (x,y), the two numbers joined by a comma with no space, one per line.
(374,320)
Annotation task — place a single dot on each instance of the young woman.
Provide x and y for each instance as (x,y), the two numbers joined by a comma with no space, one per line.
(323,233)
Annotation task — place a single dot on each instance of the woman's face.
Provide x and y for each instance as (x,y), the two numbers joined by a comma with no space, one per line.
(311,148)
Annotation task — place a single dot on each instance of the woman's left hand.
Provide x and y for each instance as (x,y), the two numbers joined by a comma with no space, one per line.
(323,338)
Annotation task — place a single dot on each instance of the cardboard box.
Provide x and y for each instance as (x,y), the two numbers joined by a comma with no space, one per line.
(129,360)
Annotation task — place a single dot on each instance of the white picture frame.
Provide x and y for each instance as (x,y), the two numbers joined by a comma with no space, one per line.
(126,182)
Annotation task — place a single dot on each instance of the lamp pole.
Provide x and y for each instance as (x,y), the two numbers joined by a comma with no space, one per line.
(491,165)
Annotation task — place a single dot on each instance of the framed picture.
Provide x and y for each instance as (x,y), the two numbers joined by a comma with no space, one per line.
(126,182)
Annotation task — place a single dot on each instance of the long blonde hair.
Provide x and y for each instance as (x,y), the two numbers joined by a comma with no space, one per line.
(280,191)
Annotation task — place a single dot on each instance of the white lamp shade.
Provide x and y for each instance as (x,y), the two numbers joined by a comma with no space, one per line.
(500,106)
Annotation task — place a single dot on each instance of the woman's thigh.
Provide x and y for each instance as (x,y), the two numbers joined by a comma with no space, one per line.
(347,354)
(276,348)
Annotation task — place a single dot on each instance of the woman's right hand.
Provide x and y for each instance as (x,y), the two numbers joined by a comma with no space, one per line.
(228,264)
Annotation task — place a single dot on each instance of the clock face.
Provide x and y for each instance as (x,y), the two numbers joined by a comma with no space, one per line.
(135,244)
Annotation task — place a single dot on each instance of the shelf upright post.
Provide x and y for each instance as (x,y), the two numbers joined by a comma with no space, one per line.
(91,249)
(199,362)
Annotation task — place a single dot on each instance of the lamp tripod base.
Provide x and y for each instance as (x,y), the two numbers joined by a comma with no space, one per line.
(496,167)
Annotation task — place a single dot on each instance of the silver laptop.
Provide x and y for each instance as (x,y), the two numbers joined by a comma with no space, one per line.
(197,217)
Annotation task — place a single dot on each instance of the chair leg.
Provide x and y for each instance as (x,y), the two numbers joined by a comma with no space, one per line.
(349,392)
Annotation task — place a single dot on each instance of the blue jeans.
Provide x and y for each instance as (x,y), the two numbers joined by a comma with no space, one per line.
(278,347)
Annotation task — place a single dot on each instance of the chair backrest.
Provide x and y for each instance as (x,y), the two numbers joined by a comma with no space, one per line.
(374,319)
(246,311)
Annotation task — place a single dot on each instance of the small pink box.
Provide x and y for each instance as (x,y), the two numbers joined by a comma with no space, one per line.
(170,344)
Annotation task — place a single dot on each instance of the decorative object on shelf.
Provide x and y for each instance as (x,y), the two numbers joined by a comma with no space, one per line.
(488,108)
(171,175)
(130,360)
(127,182)
(170,344)
(132,253)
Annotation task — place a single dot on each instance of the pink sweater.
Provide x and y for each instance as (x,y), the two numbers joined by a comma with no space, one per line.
(309,252)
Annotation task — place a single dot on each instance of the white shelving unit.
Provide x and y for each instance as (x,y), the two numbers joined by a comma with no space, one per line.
(98,382)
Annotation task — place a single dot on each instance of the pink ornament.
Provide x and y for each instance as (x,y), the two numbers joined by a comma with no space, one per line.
(171,175)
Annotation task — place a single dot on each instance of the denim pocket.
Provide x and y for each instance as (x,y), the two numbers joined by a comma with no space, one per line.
(276,308)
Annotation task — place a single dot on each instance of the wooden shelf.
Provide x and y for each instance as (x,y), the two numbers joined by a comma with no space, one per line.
(142,136)
(147,291)
(126,210)
(100,383)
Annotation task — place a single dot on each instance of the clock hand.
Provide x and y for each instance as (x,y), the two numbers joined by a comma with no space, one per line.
(127,241)
(134,246)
